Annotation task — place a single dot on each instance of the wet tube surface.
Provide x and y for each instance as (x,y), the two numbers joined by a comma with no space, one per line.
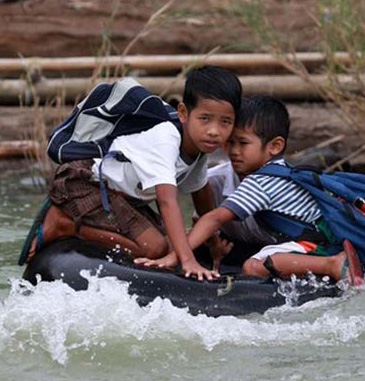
(229,295)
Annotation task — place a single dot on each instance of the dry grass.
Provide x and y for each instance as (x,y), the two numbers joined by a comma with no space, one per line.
(40,165)
(341,24)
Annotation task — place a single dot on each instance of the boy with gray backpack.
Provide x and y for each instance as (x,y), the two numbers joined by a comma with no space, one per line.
(106,200)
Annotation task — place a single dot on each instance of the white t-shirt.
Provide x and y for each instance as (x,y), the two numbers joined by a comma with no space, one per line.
(155,158)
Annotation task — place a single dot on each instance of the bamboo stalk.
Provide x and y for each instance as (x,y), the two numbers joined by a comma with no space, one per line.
(156,63)
(345,159)
(320,145)
(281,86)
(19,148)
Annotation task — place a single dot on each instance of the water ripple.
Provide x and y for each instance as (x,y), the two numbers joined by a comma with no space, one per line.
(54,318)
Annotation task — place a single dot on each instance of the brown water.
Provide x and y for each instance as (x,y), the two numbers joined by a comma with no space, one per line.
(51,332)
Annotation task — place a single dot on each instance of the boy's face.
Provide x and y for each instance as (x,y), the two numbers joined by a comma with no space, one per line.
(246,151)
(207,126)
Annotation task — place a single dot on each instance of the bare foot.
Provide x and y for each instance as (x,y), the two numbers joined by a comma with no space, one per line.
(337,265)
(347,267)
(55,224)
(354,265)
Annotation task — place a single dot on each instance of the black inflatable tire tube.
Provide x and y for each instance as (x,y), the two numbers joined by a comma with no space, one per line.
(230,295)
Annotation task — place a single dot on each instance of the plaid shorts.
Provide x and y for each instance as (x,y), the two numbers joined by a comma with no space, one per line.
(75,193)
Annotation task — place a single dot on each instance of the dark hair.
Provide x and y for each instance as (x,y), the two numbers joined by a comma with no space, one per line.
(267,116)
(212,82)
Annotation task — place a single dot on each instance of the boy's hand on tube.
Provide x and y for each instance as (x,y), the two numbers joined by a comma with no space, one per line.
(168,261)
(219,248)
(192,267)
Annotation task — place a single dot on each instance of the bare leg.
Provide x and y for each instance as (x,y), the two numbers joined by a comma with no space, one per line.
(287,264)
(151,243)
(107,238)
(56,224)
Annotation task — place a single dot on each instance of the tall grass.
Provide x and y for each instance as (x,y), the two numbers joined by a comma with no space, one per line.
(40,165)
(340,25)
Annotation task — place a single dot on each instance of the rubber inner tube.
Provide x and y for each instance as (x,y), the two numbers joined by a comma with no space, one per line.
(232,294)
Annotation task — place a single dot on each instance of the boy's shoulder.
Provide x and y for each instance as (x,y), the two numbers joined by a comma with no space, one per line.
(262,177)
(220,169)
(165,131)
(276,160)
(260,172)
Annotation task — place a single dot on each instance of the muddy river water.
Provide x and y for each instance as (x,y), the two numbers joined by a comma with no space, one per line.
(50,332)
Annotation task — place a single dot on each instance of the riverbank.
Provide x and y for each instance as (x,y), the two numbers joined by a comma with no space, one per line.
(312,123)
(88,27)
(66,28)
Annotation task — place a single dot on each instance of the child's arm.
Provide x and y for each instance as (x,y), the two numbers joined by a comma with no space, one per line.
(174,223)
(219,248)
(203,200)
(208,225)
(202,230)
(205,227)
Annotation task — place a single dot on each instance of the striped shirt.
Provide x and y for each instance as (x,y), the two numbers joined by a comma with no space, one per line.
(262,192)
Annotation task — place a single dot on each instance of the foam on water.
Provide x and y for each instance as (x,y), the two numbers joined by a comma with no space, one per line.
(54,318)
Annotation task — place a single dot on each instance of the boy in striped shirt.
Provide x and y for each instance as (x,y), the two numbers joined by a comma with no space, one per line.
(259,138)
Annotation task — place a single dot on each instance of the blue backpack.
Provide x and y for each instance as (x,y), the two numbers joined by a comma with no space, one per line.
(110,110)
(340,197)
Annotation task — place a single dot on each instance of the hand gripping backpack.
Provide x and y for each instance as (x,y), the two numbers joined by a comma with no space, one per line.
(340,197)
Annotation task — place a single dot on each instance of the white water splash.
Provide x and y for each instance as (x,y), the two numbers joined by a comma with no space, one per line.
(54,318)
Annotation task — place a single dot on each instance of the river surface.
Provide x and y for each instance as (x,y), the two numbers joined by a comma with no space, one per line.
(51,332)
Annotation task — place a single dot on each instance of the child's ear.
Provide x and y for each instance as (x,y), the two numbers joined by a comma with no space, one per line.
(276,146)
(182,112)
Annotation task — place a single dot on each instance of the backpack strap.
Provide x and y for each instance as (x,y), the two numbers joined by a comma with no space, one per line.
(276,170)
(289,226)
(118,155)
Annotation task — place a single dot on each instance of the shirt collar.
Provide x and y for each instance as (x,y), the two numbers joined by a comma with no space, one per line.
(232,181)
(276,160)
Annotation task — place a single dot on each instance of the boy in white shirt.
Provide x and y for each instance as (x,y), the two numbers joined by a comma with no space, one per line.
(260,138)
(161,161)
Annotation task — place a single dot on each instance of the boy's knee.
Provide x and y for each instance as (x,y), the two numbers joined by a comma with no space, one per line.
(57,220)
(152,244)
(156,249)
(254,267)
(248,266)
